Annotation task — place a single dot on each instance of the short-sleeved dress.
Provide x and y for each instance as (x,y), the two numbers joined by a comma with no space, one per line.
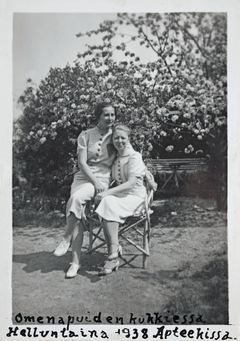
(120,206)
(100,156)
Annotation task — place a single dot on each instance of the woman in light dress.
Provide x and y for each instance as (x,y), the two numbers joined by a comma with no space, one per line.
(95,157)
(118,203)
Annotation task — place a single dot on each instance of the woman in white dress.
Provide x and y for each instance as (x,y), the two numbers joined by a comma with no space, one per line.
(95,157)
(120,202)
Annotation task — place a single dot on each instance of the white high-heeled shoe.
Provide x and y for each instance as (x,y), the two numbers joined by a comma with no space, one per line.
(116,254)
(72,271)
(109,267)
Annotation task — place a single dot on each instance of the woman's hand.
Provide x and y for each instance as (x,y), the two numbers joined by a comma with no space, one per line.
(99,187)
(100,196)
(154,186)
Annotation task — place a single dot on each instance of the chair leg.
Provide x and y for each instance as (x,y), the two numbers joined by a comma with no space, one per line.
(145,243)
(90,236)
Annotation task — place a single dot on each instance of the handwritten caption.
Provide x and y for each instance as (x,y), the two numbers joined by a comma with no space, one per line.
(150,326)
(158,333)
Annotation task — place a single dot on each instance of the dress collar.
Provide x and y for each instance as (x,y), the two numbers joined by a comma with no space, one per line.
(101,132)
(127,151)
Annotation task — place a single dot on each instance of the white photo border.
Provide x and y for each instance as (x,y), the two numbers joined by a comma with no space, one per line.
(232,8)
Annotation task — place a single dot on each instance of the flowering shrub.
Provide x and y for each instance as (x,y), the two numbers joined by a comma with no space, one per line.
(175,106)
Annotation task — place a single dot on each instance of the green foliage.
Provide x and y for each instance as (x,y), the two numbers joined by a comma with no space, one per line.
(175,105)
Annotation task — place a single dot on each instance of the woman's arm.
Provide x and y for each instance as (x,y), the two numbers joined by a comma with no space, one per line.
(136,169)
(82,163)
(120,188)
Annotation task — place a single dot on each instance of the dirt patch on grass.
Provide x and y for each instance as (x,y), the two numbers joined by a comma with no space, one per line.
(186,273)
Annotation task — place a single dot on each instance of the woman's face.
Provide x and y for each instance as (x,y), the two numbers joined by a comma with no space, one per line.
(120,139)
(107,117)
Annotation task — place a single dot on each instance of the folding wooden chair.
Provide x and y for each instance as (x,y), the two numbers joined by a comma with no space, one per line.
(138,225)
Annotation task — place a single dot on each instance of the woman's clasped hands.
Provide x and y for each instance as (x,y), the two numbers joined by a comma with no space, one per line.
(99,187)
(99,196)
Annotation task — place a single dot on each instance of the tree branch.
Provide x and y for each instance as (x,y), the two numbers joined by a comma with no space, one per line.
(159,54)
(192,37)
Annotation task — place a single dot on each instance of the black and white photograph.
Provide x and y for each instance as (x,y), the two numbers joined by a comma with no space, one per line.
(120,172)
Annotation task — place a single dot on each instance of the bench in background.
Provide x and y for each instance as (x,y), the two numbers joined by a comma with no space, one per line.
(172,168)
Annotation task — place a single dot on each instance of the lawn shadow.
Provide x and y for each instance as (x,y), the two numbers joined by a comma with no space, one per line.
(43,261)
(46,262)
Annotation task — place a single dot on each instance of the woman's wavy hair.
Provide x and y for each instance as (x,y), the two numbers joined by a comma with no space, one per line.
(123,127)
(100,106)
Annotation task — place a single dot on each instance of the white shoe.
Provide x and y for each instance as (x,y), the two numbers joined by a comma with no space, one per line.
(72,271)
(109,267)
(116,254)
(62,248)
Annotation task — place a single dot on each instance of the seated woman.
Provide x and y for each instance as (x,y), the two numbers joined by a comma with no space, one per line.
(95,158)
(120,202)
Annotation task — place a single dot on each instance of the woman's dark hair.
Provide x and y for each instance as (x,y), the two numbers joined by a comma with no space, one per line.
(99,109)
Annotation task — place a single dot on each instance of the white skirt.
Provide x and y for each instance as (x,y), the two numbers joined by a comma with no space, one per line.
(117,209)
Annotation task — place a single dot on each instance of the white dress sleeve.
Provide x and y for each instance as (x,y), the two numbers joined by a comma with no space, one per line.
(82,141)
(136,166)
